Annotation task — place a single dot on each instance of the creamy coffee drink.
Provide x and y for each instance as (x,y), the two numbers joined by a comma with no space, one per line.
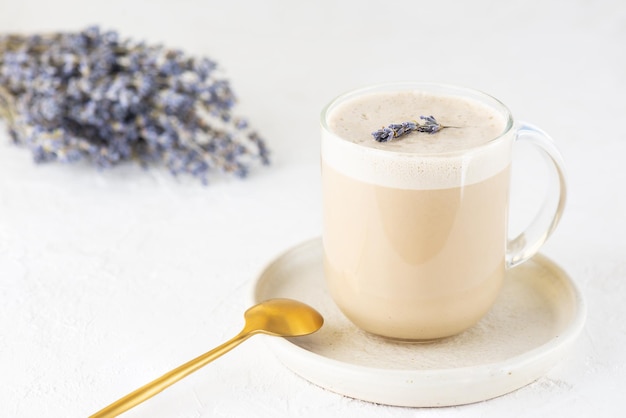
(415,229)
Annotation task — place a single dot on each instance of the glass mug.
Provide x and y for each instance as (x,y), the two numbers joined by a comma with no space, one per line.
(415,238)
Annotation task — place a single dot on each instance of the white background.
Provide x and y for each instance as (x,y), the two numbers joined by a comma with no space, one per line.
(109,279)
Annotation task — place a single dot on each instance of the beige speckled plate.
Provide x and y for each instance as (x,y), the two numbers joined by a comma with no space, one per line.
(536,319)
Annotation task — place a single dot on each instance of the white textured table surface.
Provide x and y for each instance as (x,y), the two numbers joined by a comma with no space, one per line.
(109,279)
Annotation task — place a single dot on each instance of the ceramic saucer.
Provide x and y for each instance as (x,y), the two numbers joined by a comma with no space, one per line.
(537,317)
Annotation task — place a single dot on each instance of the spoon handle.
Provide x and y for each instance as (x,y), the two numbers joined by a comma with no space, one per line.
(149,390)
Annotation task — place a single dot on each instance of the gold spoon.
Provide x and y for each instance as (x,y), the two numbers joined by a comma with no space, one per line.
(277,317)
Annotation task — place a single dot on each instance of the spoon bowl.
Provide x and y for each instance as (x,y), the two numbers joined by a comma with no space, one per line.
(283,318)
(276,317)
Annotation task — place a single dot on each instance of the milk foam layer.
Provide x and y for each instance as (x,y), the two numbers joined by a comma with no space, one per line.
(474,150)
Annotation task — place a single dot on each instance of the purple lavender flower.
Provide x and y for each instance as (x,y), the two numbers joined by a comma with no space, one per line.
(430,125)
(93,95)
(384,134)
(396,130)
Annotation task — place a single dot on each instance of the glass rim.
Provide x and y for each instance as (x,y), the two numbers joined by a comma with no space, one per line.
(450,89)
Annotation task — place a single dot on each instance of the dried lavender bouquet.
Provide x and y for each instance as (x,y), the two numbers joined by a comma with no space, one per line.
(92,95)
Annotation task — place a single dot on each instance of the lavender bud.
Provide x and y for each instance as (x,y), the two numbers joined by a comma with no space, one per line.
(383,135)
(430,126)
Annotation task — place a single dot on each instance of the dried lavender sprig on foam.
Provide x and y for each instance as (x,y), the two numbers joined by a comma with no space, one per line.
(396,130)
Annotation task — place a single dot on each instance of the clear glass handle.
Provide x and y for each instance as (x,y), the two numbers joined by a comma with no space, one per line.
(527,244)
